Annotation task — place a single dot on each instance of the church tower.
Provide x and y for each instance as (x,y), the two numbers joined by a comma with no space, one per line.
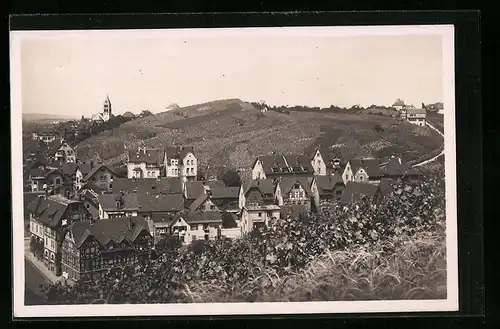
(106,114)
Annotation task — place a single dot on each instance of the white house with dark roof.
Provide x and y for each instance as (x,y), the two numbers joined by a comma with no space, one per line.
(398,104)
(318,162)
(301,191)
(102,176)
(180,161)
(117,205)
(414,116)
(362,171)
(258,202)
(143,163)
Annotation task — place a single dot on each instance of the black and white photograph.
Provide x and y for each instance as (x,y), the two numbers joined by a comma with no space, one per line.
(234,171)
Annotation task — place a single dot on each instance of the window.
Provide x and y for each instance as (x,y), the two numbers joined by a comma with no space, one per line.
(58,181)
(212,207)
(193,237)
(194,227)
(260,214)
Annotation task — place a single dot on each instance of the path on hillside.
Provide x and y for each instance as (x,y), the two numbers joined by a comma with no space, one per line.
(437,156)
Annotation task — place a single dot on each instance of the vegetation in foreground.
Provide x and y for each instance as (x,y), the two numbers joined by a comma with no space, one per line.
(395,250)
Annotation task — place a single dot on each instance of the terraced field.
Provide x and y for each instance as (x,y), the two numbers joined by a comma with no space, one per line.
(232,133)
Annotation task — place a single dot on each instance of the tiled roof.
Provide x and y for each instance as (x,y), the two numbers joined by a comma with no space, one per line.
(84,168)
(398,102)
(93,186)
(160,203)
(96,169)
(196,217)
(285,164)
(265,186)
(49,210)
(396,168)
(371,166)
(415,111)
(198,202)
(106,230)
(108,201)
(69,168)
(43,173)
(178,152)
(225,192)
(328,183)
(215,184)
(149,156)
(148,185)
(287,183)
(194,190)
(355,189)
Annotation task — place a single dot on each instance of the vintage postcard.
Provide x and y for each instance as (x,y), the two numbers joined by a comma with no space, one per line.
(234,171)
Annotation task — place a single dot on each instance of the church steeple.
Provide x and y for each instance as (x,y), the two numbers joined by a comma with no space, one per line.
(107,108)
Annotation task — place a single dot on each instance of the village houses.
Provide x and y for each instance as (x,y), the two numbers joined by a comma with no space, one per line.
(330,188)
(45,136)
(91,249)
(318,162)
(362,170)
(258,203)
(181,162)
(102,176)
(45,179)
(60,150)
(160,185)
(49,217)
(300,191)
(143,163)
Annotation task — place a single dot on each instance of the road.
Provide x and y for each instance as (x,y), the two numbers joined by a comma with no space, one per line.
(32,281)
(437,156)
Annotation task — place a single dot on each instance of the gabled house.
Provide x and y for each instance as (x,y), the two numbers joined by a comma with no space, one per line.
(118,205)
(160,185)
(318,162)
(355,192)
(158,210)
(61,150)
(203,225)
(82,170)
(330,188)
(275,166)
(101,175)
(396,169)
(414,116)
(217,199)
(180,161)
(362,171)
(398,104)
(49,218)
(143,163)
(299,191)
(45,179)
(91,249)
(257,202)
(90,201)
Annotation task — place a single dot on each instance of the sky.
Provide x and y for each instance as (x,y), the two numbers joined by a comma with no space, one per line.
(71,76)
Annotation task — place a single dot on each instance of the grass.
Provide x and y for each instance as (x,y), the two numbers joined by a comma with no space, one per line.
(415,270)
(232,133)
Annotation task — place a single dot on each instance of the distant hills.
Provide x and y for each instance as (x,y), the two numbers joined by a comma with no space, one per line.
(45,117)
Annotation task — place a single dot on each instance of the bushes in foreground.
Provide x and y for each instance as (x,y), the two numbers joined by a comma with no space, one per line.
(389,250)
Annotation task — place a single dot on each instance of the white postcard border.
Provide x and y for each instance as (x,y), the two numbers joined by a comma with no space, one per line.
(449,304)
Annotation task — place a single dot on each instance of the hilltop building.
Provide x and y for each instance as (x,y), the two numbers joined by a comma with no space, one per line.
(398,104)
(106,114)
(414,116)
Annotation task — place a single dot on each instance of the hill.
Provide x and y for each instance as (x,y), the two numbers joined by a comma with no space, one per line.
(45,117)
(232,133)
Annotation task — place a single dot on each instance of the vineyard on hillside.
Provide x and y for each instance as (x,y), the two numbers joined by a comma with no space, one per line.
(394,250)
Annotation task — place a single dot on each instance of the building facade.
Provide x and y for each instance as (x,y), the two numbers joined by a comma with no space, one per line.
(181,162)
(49,218)
(414,116)
(143,163)
(91,249)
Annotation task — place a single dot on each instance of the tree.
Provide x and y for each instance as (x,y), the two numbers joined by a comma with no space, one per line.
(231,178)
(145,113)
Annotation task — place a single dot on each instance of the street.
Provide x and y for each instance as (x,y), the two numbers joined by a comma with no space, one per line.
(32,281)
